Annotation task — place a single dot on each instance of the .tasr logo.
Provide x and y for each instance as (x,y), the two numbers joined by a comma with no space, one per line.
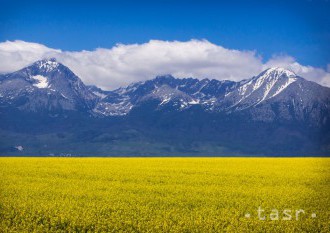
(275,214)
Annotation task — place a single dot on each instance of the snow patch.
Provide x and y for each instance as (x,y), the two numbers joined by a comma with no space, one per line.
(99,94)
(283,87)
(194,102)
(42,81)
(19,148)
(165,100)
(269,86)
(64,96)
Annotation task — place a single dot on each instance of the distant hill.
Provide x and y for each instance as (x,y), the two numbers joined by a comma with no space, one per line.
(45,109)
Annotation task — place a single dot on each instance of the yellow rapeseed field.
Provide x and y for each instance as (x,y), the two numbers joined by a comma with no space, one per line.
(164,194)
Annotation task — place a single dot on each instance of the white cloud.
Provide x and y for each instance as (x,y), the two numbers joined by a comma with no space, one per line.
(123,64)
(15,55)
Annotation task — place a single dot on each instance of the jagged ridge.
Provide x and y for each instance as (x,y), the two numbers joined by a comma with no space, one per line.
(276,112)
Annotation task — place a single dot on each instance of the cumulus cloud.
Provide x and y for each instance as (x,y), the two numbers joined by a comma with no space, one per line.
(15,55)
(124,64)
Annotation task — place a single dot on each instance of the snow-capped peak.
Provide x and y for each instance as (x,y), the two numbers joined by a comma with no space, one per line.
(266,85)
(273,75)
(279,71)
(47,65)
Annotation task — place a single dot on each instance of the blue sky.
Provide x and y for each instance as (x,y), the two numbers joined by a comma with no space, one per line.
(299,28)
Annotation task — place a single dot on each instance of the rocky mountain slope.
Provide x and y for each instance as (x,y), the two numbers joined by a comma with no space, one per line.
(275,112)
(45,86)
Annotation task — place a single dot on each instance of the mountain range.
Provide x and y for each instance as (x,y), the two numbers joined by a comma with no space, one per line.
(46,110)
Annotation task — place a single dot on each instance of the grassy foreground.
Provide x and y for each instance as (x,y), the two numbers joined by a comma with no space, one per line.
(163,194)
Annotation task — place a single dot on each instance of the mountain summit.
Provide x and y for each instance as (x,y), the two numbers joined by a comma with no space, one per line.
(275,112)
(46,85)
